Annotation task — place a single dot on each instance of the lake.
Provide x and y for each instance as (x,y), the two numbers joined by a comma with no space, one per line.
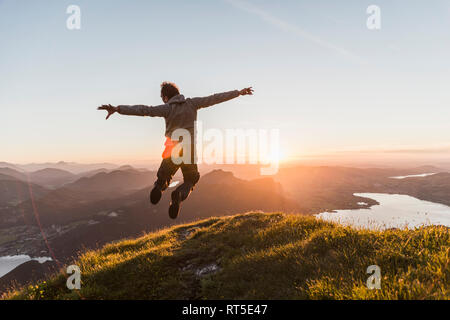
(393,211)
(414,176)
(8,263)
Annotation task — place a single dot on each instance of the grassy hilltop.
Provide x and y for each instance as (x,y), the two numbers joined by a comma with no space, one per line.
(261,256)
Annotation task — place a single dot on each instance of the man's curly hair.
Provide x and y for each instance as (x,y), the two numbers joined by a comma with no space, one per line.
(169,89)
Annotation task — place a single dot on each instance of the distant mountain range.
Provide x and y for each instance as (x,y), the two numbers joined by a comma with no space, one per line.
(93,207)
(14,191)
(115,204)
(319,189)
(72,167)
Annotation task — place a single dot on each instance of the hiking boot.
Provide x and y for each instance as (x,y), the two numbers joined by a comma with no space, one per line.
(174,208)
(155,195)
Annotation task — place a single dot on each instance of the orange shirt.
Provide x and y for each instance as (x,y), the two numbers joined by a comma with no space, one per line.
(167,153)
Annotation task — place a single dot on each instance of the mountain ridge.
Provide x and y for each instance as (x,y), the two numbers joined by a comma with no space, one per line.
(260,256)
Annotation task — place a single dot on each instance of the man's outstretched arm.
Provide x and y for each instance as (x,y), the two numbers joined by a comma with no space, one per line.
(220,97)
(137,110)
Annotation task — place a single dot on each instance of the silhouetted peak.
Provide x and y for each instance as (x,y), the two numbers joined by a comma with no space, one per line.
(126,167)
(219,176)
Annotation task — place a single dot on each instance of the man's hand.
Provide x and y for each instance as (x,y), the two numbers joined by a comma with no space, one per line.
(111,109)
(246,91)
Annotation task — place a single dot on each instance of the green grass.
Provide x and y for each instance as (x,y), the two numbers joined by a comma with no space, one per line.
(261,256)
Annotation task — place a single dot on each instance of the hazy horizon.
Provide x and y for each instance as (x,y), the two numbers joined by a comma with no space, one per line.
(307,161)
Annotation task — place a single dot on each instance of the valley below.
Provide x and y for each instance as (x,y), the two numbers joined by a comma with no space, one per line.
(106,205)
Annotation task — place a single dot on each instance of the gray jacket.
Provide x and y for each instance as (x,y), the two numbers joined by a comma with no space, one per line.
(179,113)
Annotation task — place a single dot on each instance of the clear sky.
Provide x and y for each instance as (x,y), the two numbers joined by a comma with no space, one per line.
(320,76)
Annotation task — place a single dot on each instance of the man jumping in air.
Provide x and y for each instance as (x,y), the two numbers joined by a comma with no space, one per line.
(179,113)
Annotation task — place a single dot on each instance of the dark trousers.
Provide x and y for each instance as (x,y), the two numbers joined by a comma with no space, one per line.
(166,171)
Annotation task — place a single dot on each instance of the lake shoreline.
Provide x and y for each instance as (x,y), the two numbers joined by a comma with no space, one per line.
(393,211)
(10,262)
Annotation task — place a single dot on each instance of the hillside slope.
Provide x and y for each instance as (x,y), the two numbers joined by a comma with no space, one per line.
(261,256)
